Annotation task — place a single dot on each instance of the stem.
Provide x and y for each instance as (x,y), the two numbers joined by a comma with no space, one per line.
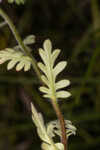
(20,42)
(62,123)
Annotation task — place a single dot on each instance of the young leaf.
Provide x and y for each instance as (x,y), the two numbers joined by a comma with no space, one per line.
(49,131)
(30,39)
(46,146)
(62,94)
(53,128)
(62,84)
(50,72)
(15,57)
(55,54)
(42,130)
(59,67)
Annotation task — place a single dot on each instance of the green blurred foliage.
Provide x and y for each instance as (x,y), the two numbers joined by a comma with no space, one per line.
(18,2)
(74,27)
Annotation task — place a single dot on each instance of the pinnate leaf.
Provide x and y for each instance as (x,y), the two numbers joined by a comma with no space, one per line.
(53,128)
(15,57)
(50,72)
(62,84)
(59,67)
(62,94)
(55,54)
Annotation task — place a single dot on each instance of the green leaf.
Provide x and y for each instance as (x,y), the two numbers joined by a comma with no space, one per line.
(2,60)
(42,67)
(53,128)
(60,146)
(49,131)
(46,146)
(62,84)
(59,67)
(30,39)
(47,95)
(63,94)
(15,57)
(38,120)
(27,66)
(20,66)
(50,72)
(44,89)
(41,129)
(55,54)
(43,56)
(11,64)
(47,46)
(45,80)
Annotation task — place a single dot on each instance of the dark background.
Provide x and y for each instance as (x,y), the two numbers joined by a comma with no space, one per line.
(74,27)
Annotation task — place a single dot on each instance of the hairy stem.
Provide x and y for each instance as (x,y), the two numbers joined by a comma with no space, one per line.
(62,123)
(19,41)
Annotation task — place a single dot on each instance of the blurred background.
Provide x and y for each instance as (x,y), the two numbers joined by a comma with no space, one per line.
(74,27)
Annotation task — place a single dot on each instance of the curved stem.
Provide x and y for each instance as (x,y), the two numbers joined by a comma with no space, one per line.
(19,41)
(62,123)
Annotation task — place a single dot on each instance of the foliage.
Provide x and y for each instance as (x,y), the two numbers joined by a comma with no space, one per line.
(53,128)
(46,133)
(18,2)
(51,72)
(73,26)
(16,56)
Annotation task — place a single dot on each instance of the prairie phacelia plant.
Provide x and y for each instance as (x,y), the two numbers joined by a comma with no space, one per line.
(47,71)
